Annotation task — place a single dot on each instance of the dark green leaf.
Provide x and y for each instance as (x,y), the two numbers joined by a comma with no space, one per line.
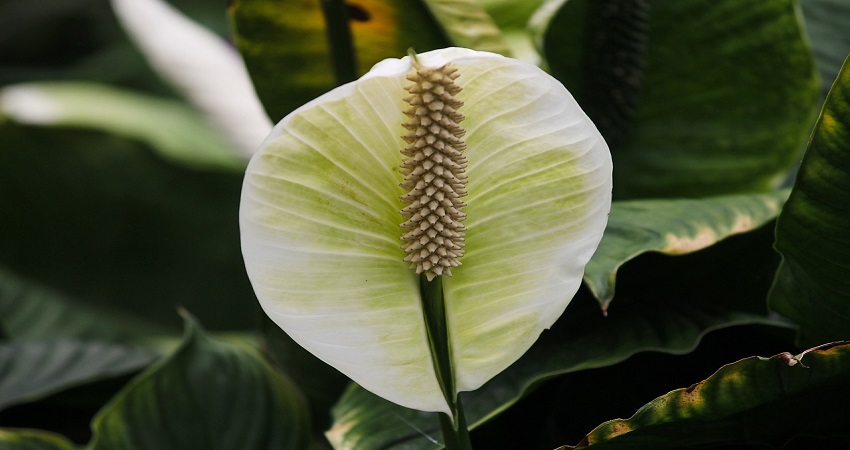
(674,227)
(31,312)
(105,221)
(31,370)
(321,384)
(813,283)
(696,98)
(19,439)
(755,400)
(828,26)
(72,39)
(664,303)
(207,395)
(285,46)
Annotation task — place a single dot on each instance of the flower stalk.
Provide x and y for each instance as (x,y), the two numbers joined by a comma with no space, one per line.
(455,433)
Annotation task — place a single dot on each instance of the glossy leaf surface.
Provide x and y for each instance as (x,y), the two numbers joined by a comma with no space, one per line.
(673,227)
(755,400)
(205,395)
(31,370)
(813,284)
(696,98)
(35,313)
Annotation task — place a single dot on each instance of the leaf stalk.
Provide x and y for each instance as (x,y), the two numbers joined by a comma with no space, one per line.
(343,58)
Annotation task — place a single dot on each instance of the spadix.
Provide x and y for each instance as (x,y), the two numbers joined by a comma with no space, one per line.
(324,196)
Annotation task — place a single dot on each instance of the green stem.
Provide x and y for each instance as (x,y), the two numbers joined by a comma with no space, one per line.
(455,433)
(339,38)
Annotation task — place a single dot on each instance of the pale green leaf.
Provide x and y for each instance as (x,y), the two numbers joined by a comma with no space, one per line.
(467,24)
(23,439)
(171,128)
(321,238)
(511,14)
(512,18)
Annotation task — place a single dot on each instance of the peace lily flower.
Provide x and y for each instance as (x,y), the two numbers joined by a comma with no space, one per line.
(506,214)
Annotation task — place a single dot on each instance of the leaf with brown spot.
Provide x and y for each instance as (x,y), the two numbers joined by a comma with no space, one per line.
(285,47)
(755,400)
(673,227)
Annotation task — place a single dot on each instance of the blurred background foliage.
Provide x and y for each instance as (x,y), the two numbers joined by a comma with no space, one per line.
(109,223)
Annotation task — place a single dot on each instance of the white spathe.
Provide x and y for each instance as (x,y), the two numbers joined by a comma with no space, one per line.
(202,66)
(320,219)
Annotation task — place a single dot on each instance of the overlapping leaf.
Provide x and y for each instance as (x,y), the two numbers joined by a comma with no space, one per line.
(35,313)
(512,19)
(813,284)
(468,25)
(752,401)
(284,44)
(205,395)
(828,27)
(674,227)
